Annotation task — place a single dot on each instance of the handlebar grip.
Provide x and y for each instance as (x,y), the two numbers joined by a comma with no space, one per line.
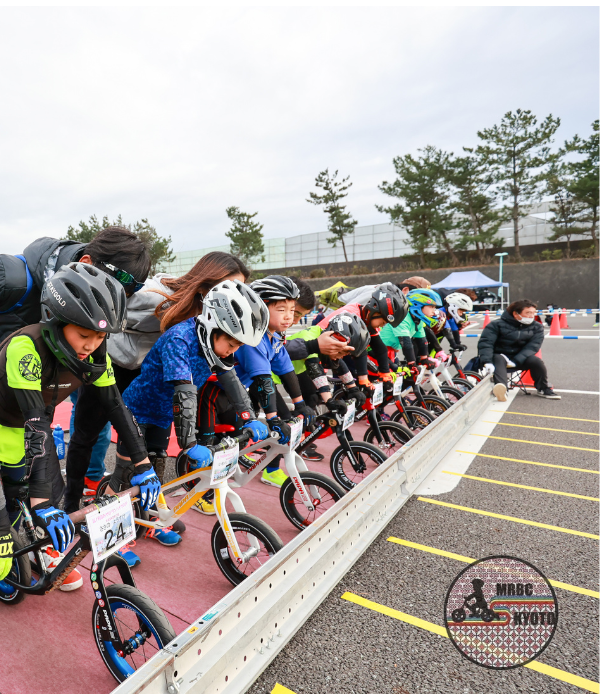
(79,515)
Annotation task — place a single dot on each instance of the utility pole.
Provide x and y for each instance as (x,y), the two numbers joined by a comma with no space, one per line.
(501,256)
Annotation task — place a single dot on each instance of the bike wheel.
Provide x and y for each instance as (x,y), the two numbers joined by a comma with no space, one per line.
(393,434)
(415,418)
(463,385)
(367,456)
(435,405)
(182,467)
(141,625)
(459,615)
(20,572)
(487,615)
(451,395)
(324,493)
(137,510)
(475,376)
(244,525)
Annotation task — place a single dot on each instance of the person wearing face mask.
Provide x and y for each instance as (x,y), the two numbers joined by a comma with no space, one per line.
(510,343)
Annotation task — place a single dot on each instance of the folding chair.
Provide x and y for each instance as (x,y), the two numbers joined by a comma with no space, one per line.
(516,380)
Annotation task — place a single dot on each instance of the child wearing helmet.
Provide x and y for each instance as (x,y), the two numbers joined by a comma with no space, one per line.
(386,308)
(40,365)
(177,370)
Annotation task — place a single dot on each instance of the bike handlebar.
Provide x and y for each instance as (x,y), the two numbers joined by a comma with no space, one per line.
(79,515)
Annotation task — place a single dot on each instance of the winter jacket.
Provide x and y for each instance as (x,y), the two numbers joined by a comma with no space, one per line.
(44,257)
(509,337)
(128,349)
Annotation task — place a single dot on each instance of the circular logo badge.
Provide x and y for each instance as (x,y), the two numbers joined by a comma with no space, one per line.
(390,318)
(102,324)
(95,567)
(101,602)
(98,594)
(501,612)
(95,585)
(93,577)
(30,368)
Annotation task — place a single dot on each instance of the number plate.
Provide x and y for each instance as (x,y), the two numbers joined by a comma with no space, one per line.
(350,414)
(378,394)
(111,527)
(296,435)
(398,385)
(224,464)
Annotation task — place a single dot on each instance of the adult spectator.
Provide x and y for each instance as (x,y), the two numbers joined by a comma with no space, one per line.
(414,282)
(320,315)
(510,343)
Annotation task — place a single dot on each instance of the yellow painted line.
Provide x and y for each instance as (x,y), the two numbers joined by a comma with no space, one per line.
(509,517)
(522,486)
(469,560)
(531,442)
(564,676)
(281,690)
(526,461)
(536,427)
(543,415)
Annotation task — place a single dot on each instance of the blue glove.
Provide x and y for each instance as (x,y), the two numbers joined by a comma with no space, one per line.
(55,523)
(259,430)
(149,485)
(282,428)
(201,455)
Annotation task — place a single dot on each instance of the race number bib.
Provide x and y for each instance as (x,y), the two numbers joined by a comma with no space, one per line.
(224,464)
(350,415)
(377,394)
(296,435)
(110,527)
(398,385)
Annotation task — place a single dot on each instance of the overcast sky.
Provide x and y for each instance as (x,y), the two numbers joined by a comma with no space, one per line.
(175,114)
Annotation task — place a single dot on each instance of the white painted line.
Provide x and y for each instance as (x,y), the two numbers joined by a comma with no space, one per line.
(576,391)
(438,482)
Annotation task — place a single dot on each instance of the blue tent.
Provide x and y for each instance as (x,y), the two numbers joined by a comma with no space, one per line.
(473,279)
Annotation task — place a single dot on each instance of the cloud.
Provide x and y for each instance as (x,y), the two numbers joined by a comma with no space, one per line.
(176,113)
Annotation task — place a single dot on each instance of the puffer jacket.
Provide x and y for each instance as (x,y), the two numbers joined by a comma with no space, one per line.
(507,336)
(128,349)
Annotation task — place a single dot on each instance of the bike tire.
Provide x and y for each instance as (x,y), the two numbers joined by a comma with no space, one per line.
(138,609)
(345,474)
(137,510)
(414,417)
(292,505)
(459,615)
(394,434)
(20,572)
(451,395)
(463,385)
(435,405)
(243,522)
(474,375)
(182,467)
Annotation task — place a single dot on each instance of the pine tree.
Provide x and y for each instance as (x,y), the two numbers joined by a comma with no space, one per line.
(341,223)
(246,236)
(584,185)
(424,211)
(477,220)
(516,152)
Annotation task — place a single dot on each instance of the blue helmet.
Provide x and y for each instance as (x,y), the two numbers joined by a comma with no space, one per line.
(418,298)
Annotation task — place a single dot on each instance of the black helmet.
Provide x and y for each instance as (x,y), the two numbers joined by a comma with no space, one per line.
(388,301)
(84,296)
(276,288)
(354,330)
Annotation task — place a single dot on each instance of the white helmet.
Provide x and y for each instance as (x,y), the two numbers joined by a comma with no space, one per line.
(235,309)
(455,301)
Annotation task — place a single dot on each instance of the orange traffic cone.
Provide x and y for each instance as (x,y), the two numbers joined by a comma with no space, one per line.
(486,319)
(527,379)
(555,325)
(563,319)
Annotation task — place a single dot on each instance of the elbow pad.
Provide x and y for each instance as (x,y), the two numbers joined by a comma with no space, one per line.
(315,371)
(291,384)
(185,409)
(237,395)
(38,438)
(265,391)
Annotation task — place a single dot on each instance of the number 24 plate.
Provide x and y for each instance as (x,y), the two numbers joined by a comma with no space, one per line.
(111,527)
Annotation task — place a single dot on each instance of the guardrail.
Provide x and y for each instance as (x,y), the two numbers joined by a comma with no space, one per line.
(226,649)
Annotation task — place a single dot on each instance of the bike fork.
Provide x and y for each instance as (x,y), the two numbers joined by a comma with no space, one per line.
(221,493)
(291,468)
(106,626)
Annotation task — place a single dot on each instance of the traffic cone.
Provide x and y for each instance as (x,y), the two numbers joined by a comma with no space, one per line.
(563,319)
(555,325)
(527,379)
(486,319)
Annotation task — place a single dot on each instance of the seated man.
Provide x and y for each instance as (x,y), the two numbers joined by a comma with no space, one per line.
(510,342)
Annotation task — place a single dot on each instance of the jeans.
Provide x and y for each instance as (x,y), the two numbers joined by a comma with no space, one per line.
(532,363)
(95,470)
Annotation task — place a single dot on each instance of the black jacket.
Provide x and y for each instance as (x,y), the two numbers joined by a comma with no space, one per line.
(13,280)
(509,337)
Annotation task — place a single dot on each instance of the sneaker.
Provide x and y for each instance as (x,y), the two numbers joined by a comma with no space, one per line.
(90,487)
(311,455)
(52,559)
(596,325)
(205,507)
(499,392)
(274,478)
(548,394)
(130,557)
(164,535)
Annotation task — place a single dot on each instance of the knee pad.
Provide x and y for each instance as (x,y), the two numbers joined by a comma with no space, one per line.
(121,477)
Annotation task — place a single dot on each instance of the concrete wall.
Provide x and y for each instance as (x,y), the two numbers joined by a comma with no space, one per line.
(569,283)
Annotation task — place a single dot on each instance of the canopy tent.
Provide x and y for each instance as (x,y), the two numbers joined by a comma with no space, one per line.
(473,279)
(338,285)
(329,297)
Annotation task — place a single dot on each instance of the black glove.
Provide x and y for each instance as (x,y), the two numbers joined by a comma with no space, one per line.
(337,406)
(427,361)
(460,347)
(301,409)
(281,428)
(394,366)
(357,394)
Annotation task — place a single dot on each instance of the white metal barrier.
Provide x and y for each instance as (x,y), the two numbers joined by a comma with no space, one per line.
(226,649)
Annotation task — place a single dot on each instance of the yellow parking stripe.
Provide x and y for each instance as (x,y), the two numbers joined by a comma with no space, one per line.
(564,676)
(469,560)
(543,415)
(532,442)
(281,690)
(508,517)
(526,461)
(536,427)
(522,486)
